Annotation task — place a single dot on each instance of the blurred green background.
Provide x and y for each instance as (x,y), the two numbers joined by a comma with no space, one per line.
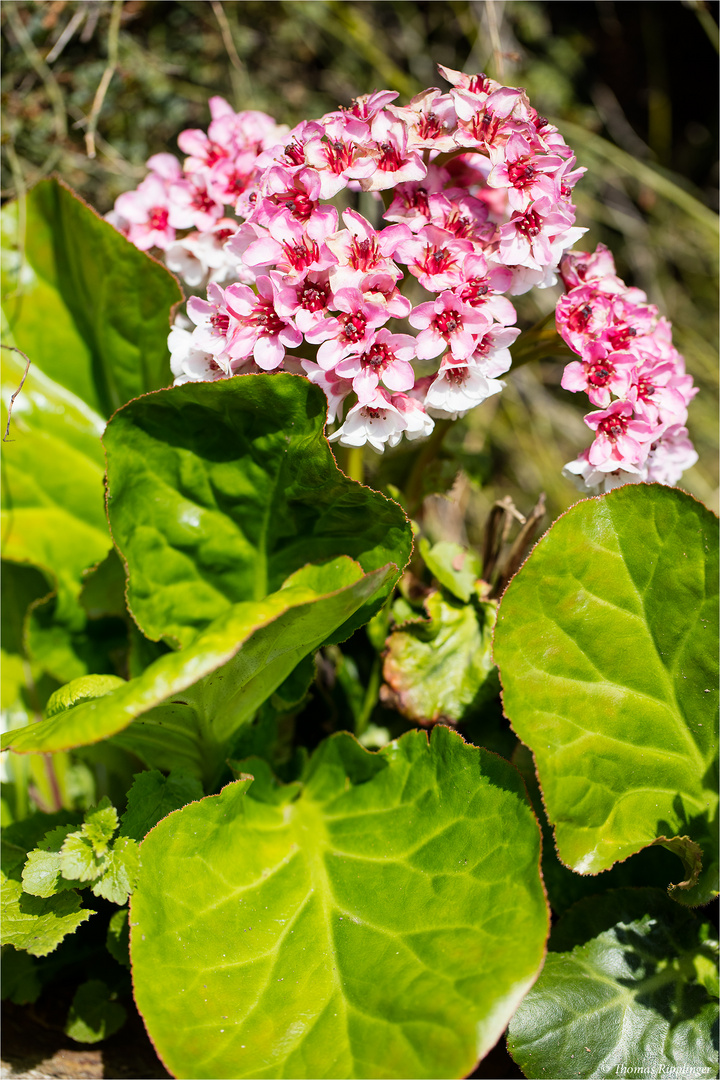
(632,86)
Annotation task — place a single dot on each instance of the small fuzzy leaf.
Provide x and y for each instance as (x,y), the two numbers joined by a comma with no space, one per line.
(36,924)
(443,669)
(153,796)
(93,1015)
(624,992)
(607,644)
(79,860)
(383,917)
(121,872)
(456,567)
(42,873)
(101,821)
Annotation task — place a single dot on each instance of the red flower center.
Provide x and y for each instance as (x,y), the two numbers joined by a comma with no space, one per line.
(294,153)
(314,296)
(447,323)
(378,356)
(353,326)
(390,159)
(430,126)
(364,254)
(529,224)
(613,427)
(338,155)
(202,202)
(302,254)
(267,319)
(456,375)
(474,291)
(158,218)
(521,173)
(220,322)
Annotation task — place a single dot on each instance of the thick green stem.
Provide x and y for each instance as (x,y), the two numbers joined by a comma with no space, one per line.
(414,490)
(354,463)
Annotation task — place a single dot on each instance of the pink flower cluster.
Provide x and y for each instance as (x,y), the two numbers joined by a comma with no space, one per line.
(398,314)
(631,372)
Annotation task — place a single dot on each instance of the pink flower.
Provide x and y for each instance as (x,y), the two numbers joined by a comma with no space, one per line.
(526,173)
(418,425)
(290,248)
(229,178)
(214,324)
(670,456)
(297,191)
(360,250)
(459,388)
(431,121)
(386,357)
(347,333)
(147,212)
(598,270)
(600,374)
(305,300)
(340,153)
(394,161)
(618,438)
(481,286)
(377,422)
(192,204)
(261,331)
(435,257)
(447,322)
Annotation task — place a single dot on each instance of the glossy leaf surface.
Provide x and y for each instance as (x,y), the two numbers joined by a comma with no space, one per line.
(444,668)
(456,567)
(86,305)
(629,988)
(219,491)
(607,647)
(53,515)
(381,918)
(217,683)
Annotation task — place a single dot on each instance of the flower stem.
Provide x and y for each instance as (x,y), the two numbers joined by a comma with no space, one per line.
(414,490)
(354,463)
(540,340)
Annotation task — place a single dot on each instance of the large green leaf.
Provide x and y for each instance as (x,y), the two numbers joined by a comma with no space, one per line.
(53,515)
(383,918)
(85,305)
(443,668)
(214,686)
(218,491)
(629,988)
(607,646)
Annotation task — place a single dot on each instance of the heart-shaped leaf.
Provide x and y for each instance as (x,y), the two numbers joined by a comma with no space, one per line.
(214,686)
(217,492)
(607,646)
(629,988)
(85,305)
(383,917)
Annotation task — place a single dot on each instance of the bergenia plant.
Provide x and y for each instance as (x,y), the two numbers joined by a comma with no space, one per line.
(326,792)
